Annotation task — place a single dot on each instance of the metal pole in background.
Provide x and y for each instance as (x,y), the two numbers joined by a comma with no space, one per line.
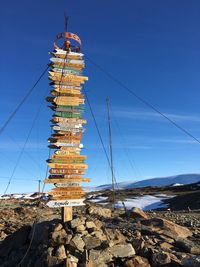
(111,154)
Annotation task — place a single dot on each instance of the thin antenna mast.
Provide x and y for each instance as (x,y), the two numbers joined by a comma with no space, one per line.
(111,154)
(66,22)
(66,43)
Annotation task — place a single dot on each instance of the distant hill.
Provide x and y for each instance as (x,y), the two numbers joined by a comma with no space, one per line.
(180,179)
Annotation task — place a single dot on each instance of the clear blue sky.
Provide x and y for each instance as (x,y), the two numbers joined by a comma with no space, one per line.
(151,46)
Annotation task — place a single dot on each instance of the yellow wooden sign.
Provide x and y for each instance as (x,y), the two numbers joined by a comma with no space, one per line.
(68,166)
(78,66)
(61,93)
(58,87)
(72,149)
(65,197)
(68,56)
(69,189)
(72,99)
(71,84)
(66,180)
(68,80)
(67,161)
(67,138)
(66,90)
(67,153)
(68,103)
(70,76)
(68,193)
(69,156)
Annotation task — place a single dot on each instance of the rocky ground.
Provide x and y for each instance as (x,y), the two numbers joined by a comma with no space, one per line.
(97,236)
(33,235)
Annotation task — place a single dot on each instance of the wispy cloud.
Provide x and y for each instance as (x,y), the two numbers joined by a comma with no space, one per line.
(127,113)
(150,142)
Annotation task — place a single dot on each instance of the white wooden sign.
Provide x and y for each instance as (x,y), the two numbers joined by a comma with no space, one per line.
(65,203)
(67,184)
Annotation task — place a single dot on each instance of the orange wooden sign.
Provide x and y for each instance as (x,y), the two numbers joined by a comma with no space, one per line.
(68,166)
(69,156)
(71,188)
(67,80)
(70,76)
(66,180)
(78,66)
(65,197)
(67,193)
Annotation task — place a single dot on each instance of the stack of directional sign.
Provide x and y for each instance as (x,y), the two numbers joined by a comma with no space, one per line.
(66,164)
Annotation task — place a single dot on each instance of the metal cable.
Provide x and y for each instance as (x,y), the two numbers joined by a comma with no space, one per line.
(24,146)
(143,100)
(101,140)
(22,102)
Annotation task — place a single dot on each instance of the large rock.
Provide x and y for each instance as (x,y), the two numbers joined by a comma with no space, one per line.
(191,261)
(100,235)
(122,251)
(188,246)
(98,223)
(137,261)
(90,225)
(91,242)
(77,222)
(77,242)
(58,227)
(166,246)
(71,261)
(114,236)
(89,264)
(137,243)
(106,213)
(167,228)
(137,213)
(53,261)
(100,257)
(160,259)
(80,228)
(59,237)
(60,252)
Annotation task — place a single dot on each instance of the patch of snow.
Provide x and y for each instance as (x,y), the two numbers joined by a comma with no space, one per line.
(177,184)
(4,197)
(23,196)
(98,200)
(145,203)
(164,196)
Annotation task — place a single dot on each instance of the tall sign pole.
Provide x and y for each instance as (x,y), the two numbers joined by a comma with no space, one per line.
(67,164)
(111,154)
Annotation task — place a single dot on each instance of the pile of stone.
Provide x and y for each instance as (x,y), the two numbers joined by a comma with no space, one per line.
(101,238)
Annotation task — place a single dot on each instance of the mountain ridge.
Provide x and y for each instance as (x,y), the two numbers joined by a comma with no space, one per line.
(180,179)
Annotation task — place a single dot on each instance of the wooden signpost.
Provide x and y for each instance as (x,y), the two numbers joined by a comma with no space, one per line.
(66,164)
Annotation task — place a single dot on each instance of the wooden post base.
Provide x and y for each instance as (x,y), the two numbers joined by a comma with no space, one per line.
(66,214)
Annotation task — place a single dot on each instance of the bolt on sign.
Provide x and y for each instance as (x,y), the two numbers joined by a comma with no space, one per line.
(66,164)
